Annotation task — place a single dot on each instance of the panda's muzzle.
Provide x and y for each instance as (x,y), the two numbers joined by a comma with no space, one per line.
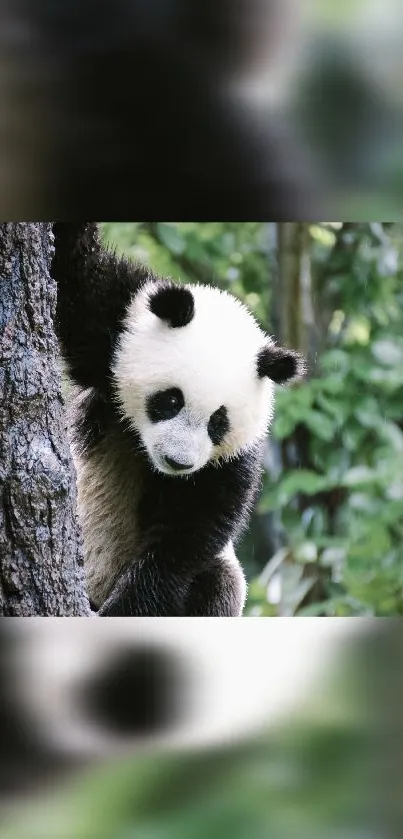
(174,464)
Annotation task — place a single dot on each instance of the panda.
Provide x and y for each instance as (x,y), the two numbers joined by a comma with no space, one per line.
(175,393)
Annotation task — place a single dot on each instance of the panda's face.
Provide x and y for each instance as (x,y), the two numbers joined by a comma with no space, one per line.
(180,439)
(194,375)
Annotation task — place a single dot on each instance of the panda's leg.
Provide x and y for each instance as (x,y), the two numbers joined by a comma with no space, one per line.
(219,591)
(147,589)
(150,589)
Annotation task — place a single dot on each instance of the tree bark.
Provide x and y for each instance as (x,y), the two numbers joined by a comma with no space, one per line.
(41,560)
(296,319)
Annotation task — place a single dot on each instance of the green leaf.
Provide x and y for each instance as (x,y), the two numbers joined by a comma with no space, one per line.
(336,361)
(301,396)
(299,480)
(391,433)
(321,424)
(367,411)
(335,606)
(284,425)
(338,409)
(306,552)
(359,476)
(352,436)
(256,592)
(388,352)
(170,237)
(333,384)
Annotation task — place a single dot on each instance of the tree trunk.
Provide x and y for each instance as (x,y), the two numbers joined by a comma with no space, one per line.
(296,319)
(41,562)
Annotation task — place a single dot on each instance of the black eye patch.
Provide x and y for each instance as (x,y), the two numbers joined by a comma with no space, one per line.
(218,425)
(164,404)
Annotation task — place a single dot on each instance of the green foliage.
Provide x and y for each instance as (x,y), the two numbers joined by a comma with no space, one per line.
(337,497)
(348,504)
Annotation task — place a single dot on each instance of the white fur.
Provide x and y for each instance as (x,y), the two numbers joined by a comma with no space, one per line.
(229,556)
(212,360)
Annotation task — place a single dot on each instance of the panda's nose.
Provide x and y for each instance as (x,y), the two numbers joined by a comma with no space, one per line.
(174,464)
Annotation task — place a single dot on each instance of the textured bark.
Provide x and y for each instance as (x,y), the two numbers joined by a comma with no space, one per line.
(41,564)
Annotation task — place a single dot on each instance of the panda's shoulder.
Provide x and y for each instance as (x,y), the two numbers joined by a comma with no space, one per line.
(90,417)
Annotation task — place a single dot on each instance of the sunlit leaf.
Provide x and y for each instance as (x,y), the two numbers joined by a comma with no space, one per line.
(360,475)
(388,352)
(306,552)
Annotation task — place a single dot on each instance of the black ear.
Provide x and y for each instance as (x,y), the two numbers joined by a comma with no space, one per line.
(174,304)
(279,364)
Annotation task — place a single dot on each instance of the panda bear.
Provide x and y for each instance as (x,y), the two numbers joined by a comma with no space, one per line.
(175,393)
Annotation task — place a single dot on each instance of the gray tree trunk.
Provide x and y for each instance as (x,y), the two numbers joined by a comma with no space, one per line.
(296,318)
(41,563)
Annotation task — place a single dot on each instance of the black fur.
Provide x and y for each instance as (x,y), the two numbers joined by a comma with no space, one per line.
(218,425)
(94,289)
(173,304)
(164,404)
(279,364)
(184,523)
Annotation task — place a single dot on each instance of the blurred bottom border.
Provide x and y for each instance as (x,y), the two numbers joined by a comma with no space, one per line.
(160,727)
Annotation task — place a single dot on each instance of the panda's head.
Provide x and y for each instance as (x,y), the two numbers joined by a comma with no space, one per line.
(195,374)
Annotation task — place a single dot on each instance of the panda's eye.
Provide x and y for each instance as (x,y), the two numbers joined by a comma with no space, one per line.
(218,425)
(164,404)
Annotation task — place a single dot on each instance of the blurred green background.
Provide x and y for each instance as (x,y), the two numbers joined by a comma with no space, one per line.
(326,537)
